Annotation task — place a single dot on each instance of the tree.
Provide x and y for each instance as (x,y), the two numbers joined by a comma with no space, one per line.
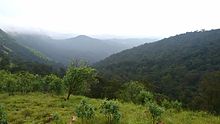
(79,77)
(131,91)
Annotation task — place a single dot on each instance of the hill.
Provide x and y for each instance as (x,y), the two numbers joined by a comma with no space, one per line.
(34,108)
(63,50)
(15,57)
(176,66)
(9,47)
(80,47)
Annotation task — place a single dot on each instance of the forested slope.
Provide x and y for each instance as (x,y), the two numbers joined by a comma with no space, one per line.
(175,66)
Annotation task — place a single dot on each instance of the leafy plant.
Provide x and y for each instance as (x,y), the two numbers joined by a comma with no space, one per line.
(156,111)
(85,111)
(145,97)
(172,104)
(3,116)
(56,118)
(176,105)
(111,111)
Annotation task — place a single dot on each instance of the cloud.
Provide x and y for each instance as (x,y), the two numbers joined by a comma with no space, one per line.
(117,17)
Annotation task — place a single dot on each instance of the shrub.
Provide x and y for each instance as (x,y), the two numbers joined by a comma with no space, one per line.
(53,84)
(166,104)
(156,111)
(3,116)
(145,97)
(111,111)
(176,105)
(172,104)
(85,111)
(57,119)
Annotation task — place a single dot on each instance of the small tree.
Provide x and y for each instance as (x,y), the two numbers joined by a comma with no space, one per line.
(11,85)
(111,111)
(130,91)
(79,78)
(156,111)
(53,84)
(24,81)
(3,116)
(85,111)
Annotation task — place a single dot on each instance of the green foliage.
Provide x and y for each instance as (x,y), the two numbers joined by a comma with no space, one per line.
(166,104)
(55,118)
(3,116)
(10,84)
(131,91)
(208,97)
(176,105)
(111,111)
(145,97)
(52,83)
(172,104)
(79,78)
(156,111)
(25,81)
(85,111)
(174,66)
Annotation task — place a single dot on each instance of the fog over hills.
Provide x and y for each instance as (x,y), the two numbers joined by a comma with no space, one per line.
(62,50)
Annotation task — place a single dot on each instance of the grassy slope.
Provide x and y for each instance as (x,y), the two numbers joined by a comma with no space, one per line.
(37,108)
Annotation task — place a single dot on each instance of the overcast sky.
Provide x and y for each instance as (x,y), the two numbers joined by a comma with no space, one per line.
(132,18)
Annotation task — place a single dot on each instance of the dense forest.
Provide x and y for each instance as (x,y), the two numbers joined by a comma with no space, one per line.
(184,67)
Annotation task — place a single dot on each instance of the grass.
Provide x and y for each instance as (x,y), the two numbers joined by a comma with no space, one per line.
(39,108)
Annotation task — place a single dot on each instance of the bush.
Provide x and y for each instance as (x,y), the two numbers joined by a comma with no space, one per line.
(156,111)
(3,116)
(176,105)
(56,118)
(172,104)
(145,97)
(53,84)
(111,111)
(166,104)
(85,111)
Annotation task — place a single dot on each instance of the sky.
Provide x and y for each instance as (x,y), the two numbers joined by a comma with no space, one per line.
(129,18)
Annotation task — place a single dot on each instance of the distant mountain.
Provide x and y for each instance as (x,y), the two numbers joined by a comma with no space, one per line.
(81,47)
(174,66)
(9,47)
(132,42)
(15,57)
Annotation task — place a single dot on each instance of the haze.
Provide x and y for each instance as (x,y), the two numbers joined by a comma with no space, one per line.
(128,18)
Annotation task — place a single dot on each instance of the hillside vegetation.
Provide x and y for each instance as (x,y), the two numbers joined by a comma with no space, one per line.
(174,80)
(42,108)
(178,66)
